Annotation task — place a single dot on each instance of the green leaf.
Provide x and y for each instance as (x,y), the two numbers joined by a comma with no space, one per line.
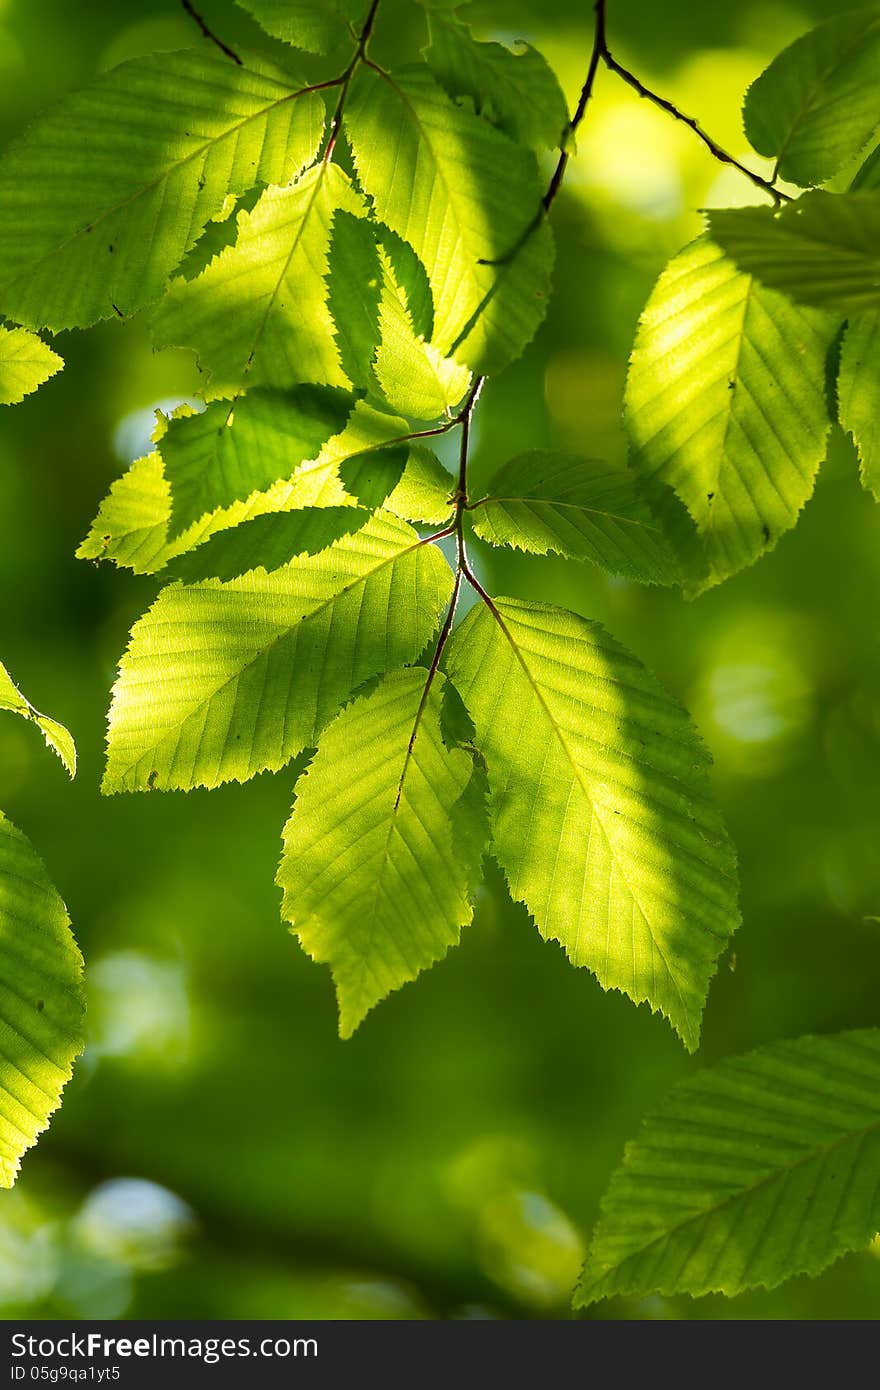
(258,314)
(228,452)
(103,196)
(375,327)
(41,999)
(725,403)
(601,815)
(823,249)
(25,363)
(131,528)
(413,377)
(222,681)
(518,92)
(462,195)
(816,106)
(580,508)
(57,737)
(315,26)
(380,865)
(354,288)
(868,176)
(408,480)
(858,393)
(267,542)
(754,1170)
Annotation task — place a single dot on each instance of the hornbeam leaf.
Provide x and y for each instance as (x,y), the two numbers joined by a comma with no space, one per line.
(408,480)
(517,91)
(464,197)
(580,508)
(414,378)
(222,681)
(823,249)
(25,363)
(725,403)
(258,314)
(41,999)
(380,866)
(354,288)
(101,198)
(57,737)
(858,393)
(816,105)
(131,528)
(754,1170)
(380,348)
(267,542)
(228,452)
(315,26)
(601,815)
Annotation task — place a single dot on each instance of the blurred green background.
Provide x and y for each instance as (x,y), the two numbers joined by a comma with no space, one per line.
(220,1153)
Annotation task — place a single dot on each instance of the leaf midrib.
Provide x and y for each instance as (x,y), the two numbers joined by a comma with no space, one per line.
(743,1193)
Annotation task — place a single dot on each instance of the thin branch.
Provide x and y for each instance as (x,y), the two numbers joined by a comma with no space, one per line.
(359,56)
(716,150)
(209,33)
(599,50)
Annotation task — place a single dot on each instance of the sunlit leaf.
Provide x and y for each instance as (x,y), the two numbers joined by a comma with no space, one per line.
(25,363)
(103,195)
(546,502)
(231,451)
(517,91)
(725,402)
(258,314)
(823,249)
(267,542)
(601,813)
(41,999)
(413,376)
(816,106)
(312,25)
(57,737)
(752,1171)
(409,824)
(222,681)
(462,195)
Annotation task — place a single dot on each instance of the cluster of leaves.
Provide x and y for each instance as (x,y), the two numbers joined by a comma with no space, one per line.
(350,260)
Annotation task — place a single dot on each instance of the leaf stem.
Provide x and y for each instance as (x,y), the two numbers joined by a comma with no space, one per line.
(359,56)
(209,33)
(717,151)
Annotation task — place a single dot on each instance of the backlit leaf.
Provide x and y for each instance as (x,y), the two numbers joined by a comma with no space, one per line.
(41,999)
(462,195)
(725,403)
(409,824)
(25,363)
(752,1171)
(545,502)
(816,105)
(101,198)
(823,249)
(57,737)
(222,681)
(599,794)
